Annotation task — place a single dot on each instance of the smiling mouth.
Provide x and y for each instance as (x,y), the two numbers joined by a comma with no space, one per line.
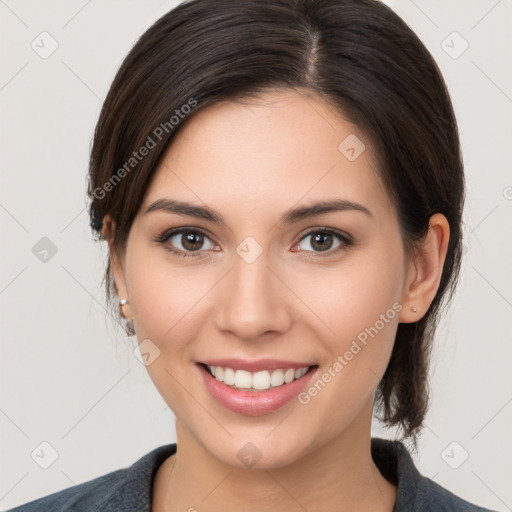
(264,380)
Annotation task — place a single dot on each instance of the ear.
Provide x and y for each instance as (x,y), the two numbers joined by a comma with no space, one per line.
(425,270)
(116,264)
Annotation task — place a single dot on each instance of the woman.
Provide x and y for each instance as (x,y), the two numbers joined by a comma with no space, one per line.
(280,186)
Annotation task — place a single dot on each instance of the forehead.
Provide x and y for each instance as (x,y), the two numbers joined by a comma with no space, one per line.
(268,153)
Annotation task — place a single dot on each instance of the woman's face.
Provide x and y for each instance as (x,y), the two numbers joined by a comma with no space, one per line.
(263,284)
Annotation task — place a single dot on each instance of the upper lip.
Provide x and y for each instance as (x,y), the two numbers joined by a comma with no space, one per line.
(255,366)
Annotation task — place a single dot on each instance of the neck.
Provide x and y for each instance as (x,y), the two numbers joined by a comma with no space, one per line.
(340,475)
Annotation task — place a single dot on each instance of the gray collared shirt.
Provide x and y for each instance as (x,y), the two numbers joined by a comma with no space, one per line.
(131,489)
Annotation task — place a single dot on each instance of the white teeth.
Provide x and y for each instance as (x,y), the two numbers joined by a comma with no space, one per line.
(289,375)
(242,379)
(262,380)
(277,378)
(300,372)
(229,376)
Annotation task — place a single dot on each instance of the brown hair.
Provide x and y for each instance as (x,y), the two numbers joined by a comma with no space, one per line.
(359,56)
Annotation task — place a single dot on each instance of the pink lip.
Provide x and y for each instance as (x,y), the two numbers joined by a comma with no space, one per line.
(255,366)
(254,403)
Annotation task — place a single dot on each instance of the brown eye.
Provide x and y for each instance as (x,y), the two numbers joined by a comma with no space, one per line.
(323,240)
(191,241)
(185,242)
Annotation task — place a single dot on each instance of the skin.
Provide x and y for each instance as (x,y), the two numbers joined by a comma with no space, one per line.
(251,162)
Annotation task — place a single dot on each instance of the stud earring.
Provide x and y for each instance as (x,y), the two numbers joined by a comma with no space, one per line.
(414,309)
(122,302)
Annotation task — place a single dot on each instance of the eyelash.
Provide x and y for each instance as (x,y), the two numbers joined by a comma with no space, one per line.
(166,235)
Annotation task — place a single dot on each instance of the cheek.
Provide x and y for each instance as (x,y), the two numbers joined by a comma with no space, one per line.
(163,294)
(357,308)
(353,296)
(167,308)
(360,306)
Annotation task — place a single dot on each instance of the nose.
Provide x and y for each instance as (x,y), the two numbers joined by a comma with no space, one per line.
(252,300)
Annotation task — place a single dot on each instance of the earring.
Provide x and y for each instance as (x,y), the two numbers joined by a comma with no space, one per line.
(414,309)
(122,302)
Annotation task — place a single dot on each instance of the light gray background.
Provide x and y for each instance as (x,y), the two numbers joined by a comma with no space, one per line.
(70,379)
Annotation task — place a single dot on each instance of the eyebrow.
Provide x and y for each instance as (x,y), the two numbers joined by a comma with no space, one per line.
(291,216)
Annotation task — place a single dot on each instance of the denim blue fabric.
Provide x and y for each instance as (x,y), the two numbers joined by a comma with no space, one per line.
(130,489)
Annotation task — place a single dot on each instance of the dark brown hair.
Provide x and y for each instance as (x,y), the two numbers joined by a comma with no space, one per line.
(358,56)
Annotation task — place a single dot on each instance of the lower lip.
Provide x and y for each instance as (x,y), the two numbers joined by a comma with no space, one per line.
(254,403)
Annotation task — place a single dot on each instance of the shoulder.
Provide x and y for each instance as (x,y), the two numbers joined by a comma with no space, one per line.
(121,490)
(438,498)
(80,497)
(415,492)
